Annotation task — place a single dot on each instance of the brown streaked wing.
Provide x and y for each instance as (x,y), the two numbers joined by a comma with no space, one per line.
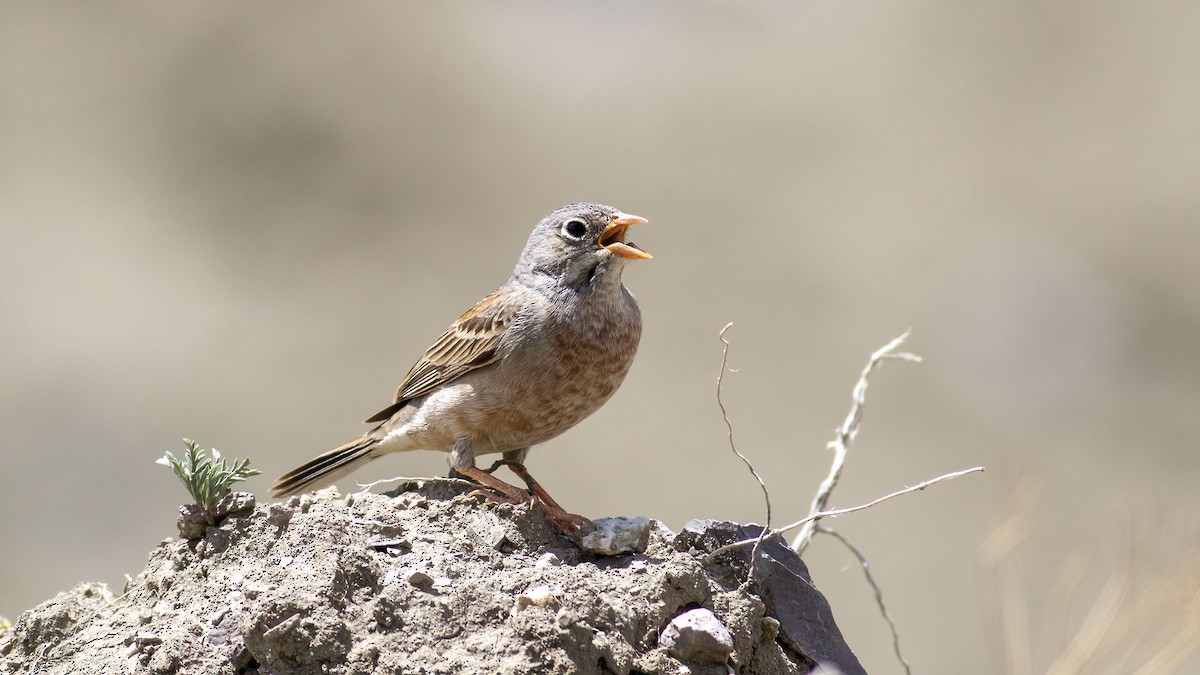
(471,341)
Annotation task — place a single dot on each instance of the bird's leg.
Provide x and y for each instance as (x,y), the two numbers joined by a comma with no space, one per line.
(556,516)
(504,492)
(496,465)
(462,461)
(531,483)
(511,457)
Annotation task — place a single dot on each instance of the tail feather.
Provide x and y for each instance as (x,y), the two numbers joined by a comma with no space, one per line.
(326,468)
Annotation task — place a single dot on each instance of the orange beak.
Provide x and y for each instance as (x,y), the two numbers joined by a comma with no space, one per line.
(613,237)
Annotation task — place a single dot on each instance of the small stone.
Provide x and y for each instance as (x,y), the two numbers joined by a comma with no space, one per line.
(697,636)
(442,582)
(565,618)
(615,536)
(286,560)
(393,547)
(419,579)
(143,639)
(215,541)
(638,567)
(192,523)
(328,494)
(770,628)
(540,596)
(498,537)
(407,500)
(235,503)
(547,560)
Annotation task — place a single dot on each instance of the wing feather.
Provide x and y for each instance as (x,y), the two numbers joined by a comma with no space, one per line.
(471,342)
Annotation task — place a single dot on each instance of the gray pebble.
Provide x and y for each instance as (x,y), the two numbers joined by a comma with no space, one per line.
(697,636)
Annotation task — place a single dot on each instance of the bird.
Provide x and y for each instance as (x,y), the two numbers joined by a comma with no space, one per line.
(525,364)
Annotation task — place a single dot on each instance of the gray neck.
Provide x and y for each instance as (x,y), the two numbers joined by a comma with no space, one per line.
(577,279)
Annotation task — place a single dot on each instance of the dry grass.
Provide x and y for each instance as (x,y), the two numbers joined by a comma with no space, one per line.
(1124,625)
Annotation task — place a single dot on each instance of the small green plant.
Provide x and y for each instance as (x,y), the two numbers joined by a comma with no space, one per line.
(208,479)
(5,624)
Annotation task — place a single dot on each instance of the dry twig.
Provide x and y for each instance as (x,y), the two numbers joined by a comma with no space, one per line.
(840,445)
(366,487)
(845,436)
(866,568)
(833,513)
(733,446)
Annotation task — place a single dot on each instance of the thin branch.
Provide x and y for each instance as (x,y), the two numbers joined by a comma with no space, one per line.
(866,568)
(733,446)
(366,487)
(833,513)
(845,436)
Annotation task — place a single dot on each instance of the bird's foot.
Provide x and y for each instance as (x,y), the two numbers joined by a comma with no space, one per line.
(497,491)
(496,497)
(563,522)
(559,520)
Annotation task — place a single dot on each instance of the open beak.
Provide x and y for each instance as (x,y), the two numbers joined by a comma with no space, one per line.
(613,237)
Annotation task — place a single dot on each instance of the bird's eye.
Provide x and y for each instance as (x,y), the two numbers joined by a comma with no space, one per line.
(574,228)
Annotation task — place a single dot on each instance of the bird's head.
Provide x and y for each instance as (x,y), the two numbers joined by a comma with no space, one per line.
(580,245)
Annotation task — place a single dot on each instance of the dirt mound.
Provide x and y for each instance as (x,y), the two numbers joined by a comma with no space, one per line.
(428,580)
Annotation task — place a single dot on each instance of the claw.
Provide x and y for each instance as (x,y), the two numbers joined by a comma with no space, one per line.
(565,523)
(497,491)
(494,497)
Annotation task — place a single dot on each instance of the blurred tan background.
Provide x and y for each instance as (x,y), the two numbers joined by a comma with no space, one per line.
(242,223)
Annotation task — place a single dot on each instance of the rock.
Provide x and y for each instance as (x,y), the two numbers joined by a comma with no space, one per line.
(498,537)
(407,500)
(328,494)
(487,527)
(290,643)
(279,515)
(615,536)
(194,522)
(237,503)
(419,579)
(770,627)
(61,616)
(805,619)
(565,618)
(354,600)
(541,596)
(697,636)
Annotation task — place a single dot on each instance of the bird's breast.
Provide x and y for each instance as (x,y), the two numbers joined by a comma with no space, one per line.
(563,369)
(561,366)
